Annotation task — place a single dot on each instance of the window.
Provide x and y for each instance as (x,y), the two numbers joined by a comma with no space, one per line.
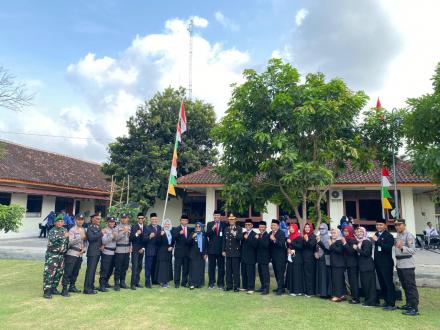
(194,207)
(62,203)
(350,209)
(5,199)
(370,209)
(34,206)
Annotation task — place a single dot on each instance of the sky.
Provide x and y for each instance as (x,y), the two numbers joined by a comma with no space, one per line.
(91,63)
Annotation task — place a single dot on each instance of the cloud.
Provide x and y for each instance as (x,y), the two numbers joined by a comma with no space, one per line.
(110,88)
(300,16)
(354,40)
(226,22)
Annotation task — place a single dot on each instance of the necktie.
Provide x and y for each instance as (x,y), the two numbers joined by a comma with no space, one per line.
(155,229)
(216,227)
(184,230)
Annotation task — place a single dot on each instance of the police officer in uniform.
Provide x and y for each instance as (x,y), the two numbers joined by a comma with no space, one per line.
(94,236)
(122,252)
(73,258)
(58,239)
(405,265)
(108,249)
(232,236)
(383,260)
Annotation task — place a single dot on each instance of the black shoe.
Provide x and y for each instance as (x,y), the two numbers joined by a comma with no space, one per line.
(265,292)
(124,285)
(279,293)
(65,292)
(405,307)
(47,294)
(389,308)
(55,291)
(90,292)
(147,286)
(108,286)
(354,302)
(227,289)
(133,287)
(236,290)
(138,286)
(411,312)
(73,289)
(103,289)
(116,287)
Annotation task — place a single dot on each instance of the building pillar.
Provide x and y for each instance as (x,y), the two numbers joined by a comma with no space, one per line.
(271,213)
(336,210)
(407,211)
(210,205)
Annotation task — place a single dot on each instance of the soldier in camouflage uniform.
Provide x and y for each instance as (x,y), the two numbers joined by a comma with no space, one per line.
(58,240)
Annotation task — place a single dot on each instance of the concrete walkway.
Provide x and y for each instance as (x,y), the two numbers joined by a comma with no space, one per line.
(427,261)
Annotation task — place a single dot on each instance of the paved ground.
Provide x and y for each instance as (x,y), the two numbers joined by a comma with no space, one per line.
(427,261)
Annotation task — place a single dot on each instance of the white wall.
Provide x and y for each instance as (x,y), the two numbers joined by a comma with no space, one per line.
(336,210)
(210,205)
(174,210)
(407,202)
(424,210)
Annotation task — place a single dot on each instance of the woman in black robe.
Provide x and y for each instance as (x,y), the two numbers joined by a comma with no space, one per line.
(364,247)
(351,259)
(295,266)
(197,256)
(165,255)
(323,269)
(309,260)
(337,262)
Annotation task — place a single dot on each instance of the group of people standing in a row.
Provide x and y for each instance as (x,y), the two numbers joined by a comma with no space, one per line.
(305,263)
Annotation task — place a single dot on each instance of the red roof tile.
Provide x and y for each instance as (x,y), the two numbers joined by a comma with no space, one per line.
(21,163)
(207,176)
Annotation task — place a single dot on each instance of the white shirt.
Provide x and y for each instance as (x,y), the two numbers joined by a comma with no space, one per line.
(431,231)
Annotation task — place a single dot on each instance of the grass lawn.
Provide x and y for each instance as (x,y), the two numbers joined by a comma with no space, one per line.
(23,307)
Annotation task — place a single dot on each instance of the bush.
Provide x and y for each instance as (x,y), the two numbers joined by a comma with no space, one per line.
(10,217)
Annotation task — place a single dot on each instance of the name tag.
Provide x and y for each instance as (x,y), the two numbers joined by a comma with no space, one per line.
(379,248)
(221,234)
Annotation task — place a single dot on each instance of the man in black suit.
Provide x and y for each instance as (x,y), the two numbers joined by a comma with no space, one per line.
(248,257)
(383,260)
(151,242)
(278,254)
(137,250)
(181,252)
(214,232)
(232,236)
(94,236)
(263,257)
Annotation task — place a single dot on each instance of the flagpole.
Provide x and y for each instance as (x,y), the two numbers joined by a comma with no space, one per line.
(168,186)
(396,201)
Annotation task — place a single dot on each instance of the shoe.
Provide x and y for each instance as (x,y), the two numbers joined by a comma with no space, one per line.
(47,294)
(108,286)
(293,294)
(176,286)
(336,299)
(65,292)
(236,290)
(242,289)
(185,285)
(103,289)
(211,287)
(73,289)
(259,290)
(307,296)
(250,292)
(123,285)
(227,289)
(411,312)
(279,293)
(191,287)
(354,301)
(264,293)
(405,307)
(133,287)
(55,291)
(117,288)
(389,308)
(138,286)
(90,292)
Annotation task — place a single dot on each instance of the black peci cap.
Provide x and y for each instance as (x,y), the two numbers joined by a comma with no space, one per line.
(184,216)
(276,221)
(381,221)
(248,221)
(153,215)
(262,223)
(141,214)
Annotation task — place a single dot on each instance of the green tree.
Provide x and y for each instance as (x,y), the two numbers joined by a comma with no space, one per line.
(422,130)
(10,217)
(286,141)
(145,154)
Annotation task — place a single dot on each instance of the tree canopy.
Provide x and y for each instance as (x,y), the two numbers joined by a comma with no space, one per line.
(422,130)
(145,153)
(286,141)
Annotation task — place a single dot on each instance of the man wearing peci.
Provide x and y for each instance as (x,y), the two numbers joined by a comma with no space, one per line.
(278,254)
(137,254)
(214,232)
(150,237)
(180,235)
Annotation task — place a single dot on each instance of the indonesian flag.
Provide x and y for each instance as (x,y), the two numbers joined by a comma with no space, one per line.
(378,105)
